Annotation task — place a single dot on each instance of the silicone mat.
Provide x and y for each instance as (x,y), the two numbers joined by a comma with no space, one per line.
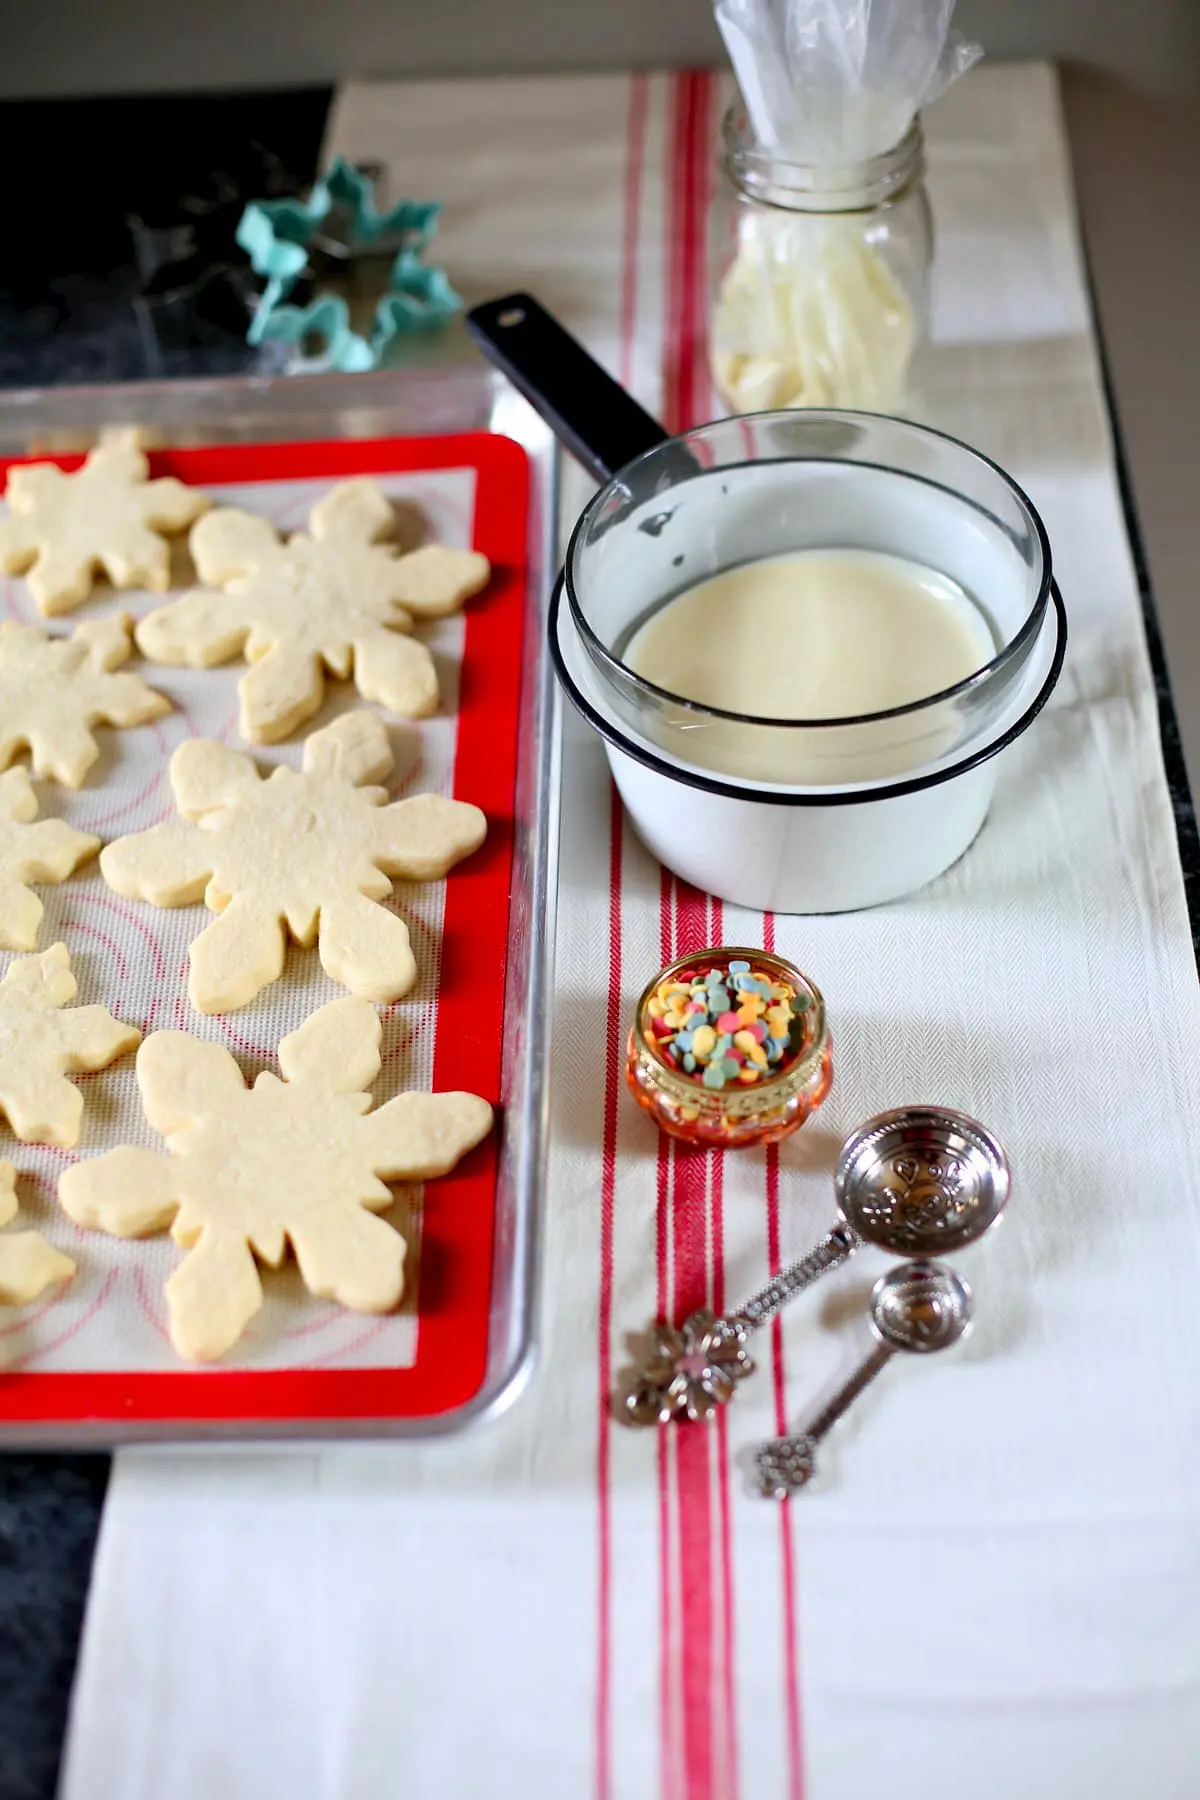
(98,1353)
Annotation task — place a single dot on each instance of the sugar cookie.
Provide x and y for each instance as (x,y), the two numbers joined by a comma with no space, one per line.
(40,1045)
(28,1264)
(53,689)
(31,849)
(335,598)
(108,515)
(310,851)
(251,1170)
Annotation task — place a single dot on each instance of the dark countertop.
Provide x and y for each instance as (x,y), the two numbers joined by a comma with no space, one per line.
(49,1518)
(123,210)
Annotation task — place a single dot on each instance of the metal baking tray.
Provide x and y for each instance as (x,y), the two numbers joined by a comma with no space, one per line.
(376,405)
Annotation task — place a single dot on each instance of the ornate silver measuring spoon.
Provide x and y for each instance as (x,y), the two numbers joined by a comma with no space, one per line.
(921,1307)
(917,1181)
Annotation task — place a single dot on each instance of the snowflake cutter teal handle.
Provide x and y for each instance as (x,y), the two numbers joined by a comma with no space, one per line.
(281,236)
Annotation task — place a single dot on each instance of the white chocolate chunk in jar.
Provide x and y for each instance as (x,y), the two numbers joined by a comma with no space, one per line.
(815,634)
(809,314)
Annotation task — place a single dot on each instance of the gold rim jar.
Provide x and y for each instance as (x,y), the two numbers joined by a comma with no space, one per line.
(734,1117)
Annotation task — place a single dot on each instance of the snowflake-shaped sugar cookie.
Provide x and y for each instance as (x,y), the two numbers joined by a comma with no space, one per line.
(28,1264)
(106,516)
(53,689)
(335,598)
(308,851)
(250,1170)
(41,1044)
(31,849)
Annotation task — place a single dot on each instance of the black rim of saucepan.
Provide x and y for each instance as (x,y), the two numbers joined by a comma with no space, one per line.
(710,784)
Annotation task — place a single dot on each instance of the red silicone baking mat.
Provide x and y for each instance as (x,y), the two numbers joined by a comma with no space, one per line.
(96,1356)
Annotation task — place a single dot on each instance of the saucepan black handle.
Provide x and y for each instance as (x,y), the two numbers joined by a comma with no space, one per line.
(589,412)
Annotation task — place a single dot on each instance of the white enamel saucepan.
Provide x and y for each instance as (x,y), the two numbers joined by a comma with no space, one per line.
(891,798)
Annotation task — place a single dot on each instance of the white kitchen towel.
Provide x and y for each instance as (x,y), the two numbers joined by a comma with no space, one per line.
(994,1585)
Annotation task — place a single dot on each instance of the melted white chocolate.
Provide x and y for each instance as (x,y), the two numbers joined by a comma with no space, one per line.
(816,634)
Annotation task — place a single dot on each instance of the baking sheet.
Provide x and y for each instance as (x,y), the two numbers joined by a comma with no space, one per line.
(96,1363)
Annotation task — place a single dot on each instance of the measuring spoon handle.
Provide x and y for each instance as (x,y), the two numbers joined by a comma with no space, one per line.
(784,1465)
(830,1253)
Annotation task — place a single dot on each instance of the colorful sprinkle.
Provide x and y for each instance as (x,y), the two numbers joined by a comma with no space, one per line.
(726,1025)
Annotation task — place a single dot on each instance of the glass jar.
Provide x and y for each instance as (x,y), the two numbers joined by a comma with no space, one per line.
(745,1111)
(823,290)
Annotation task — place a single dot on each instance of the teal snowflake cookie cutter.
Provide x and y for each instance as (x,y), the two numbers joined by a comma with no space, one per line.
(406,227)
(339,223)
(327,318)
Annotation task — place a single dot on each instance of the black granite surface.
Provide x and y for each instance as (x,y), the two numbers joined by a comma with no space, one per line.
(118,260)
(121,214)
(49,1517)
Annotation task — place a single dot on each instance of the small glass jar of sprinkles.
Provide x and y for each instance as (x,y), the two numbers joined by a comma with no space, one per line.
(729,1047)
